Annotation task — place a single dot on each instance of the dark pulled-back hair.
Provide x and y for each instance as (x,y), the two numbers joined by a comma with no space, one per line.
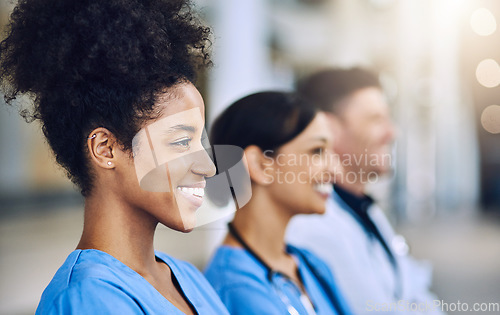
(266,119)
(326,88)
(97,63)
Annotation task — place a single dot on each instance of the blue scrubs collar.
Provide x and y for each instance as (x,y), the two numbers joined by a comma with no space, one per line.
(335,300)
(270,272)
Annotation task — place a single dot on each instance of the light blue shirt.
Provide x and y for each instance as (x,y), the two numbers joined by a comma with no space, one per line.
(363,271)
(93,282)
(244,285)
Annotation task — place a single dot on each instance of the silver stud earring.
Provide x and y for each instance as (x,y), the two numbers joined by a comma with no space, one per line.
(92,137)
(109,163)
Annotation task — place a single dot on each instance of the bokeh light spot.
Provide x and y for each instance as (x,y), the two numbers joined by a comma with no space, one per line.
(483,22)
(488,73)
(490,119)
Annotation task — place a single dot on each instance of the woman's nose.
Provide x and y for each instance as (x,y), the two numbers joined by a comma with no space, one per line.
(203,164)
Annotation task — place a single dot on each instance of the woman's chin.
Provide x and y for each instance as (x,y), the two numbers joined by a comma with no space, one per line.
(321,210)
(188,223)
(184,225)
(317,210)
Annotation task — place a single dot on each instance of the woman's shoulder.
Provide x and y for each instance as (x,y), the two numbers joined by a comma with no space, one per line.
(311,260)
(88,275)
(241,282)
(86,264)
(231,265)
(94,282)
(233,259)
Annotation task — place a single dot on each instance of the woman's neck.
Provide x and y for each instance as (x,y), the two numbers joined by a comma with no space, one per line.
(262,225)
(114,227)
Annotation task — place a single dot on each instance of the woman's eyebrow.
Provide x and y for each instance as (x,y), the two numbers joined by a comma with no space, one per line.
(320,139)
(187,128)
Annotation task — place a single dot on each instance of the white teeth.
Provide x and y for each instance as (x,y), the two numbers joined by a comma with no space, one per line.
(324,188)
(199,192)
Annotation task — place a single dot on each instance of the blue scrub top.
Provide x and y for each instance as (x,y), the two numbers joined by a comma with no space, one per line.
(93,282)
(243,285)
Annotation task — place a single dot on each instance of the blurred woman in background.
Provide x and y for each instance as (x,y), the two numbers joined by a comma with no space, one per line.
(112,87)
(287,145)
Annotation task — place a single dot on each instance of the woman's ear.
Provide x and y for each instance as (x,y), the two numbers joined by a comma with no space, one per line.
(101,144)
(260,166)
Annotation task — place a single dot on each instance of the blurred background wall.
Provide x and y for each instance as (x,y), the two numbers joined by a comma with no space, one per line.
(438,61)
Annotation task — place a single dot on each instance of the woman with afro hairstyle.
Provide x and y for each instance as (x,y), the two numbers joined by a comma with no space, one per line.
(111,84)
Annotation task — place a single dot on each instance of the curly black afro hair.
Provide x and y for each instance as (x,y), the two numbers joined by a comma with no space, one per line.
(97,63)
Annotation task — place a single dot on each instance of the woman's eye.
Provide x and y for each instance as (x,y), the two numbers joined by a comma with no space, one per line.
(182,143)
(318,151)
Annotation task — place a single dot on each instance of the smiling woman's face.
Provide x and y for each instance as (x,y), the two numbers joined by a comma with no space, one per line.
(167,175)
(302,171)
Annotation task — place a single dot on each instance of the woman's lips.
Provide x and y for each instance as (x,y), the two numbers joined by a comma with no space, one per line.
(324,189)
(193,193)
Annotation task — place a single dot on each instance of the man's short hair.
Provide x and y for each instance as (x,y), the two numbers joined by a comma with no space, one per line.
(326,88)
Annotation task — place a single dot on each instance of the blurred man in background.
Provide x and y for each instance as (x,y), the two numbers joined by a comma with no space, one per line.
(368,259)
